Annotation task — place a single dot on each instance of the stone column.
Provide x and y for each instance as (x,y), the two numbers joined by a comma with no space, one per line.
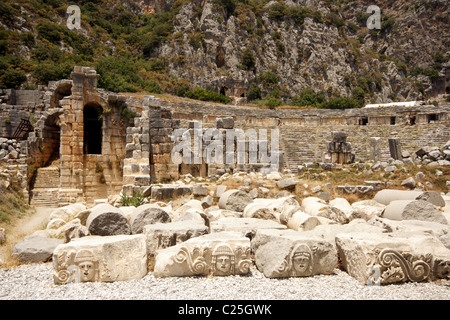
(395,148)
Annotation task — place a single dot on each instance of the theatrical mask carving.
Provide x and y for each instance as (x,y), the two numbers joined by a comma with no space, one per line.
(73,267)
(221,259)
(299,263)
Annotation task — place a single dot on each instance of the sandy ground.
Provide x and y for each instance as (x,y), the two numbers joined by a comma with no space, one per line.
(22,227)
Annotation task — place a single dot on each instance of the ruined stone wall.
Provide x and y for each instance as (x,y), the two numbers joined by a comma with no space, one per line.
(305,133)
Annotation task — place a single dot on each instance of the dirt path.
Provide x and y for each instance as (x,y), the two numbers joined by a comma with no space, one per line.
(22,227)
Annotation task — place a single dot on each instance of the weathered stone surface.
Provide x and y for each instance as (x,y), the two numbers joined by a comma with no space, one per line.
(292,254)
(439,230)
(223,253)
(245,226)
(235,200)
(392,258)
(387,195)
(409,183)
(106,220)
(301,221)
(55,223)
(343,205)
(82,215)
(74,230)
(191,204)
(413,210)
(215,214)
(147,214)
(67,213)
(163,235)
(35,249)
(102,259)
(194,214)
(319,208)
(260,210)
(367,209)
(287,183)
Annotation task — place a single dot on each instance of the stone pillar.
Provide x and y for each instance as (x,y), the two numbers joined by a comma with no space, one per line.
(395,148)
(375,143)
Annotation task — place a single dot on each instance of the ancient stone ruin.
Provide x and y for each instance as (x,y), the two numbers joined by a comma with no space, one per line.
(87,149)
(85,143)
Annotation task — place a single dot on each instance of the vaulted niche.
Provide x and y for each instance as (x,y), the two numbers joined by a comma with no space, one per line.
(92,129)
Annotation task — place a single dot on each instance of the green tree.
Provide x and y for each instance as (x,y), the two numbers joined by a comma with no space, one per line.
(248,59)
(12,78)
(254,92)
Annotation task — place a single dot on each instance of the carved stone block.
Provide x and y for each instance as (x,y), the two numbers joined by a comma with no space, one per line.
(288,253)
(218,254)
(100,259)
(383,258)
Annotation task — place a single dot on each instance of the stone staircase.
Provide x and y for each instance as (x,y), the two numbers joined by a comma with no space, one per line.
(46,186)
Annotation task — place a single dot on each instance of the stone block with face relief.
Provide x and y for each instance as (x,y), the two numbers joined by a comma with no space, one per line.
(100,259)
(288,253)
(217,254)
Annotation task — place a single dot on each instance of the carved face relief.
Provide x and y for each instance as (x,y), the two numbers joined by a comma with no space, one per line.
(302,260)
(223,260)
(223,264)
(86,263)
(87,271)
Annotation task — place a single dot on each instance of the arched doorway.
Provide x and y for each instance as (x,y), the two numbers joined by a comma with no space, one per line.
(92,142)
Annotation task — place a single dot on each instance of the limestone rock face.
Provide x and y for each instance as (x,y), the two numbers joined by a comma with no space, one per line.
(219,254)
(102,259)
(292,254)
(106,220)
(393,258)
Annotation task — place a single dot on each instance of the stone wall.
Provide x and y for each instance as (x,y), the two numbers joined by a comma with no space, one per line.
(304,133)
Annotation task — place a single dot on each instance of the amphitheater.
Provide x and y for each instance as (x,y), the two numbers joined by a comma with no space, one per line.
(77,148)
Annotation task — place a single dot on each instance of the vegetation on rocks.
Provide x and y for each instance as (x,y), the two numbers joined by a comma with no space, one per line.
(173,50)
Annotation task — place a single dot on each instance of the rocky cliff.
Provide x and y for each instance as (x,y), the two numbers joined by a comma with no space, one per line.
(301,52)
(322,45)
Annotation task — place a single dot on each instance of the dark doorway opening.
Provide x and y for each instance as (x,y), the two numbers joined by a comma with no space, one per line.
(92,129)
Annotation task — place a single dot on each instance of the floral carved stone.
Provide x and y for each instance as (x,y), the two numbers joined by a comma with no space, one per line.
(218,254)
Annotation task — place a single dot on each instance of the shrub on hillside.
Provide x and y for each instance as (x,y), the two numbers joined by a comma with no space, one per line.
(207,95)
(340,103)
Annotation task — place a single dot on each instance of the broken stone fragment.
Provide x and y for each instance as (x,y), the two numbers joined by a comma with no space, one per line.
(106,220)
(380,258)
(163,235)
(387,195)
(413,210)
(35,249)
(245,226)
(235,200)
(147,214)
(100,259)
(219,254)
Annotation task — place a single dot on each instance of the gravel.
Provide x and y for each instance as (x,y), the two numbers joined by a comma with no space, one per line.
(35,282)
